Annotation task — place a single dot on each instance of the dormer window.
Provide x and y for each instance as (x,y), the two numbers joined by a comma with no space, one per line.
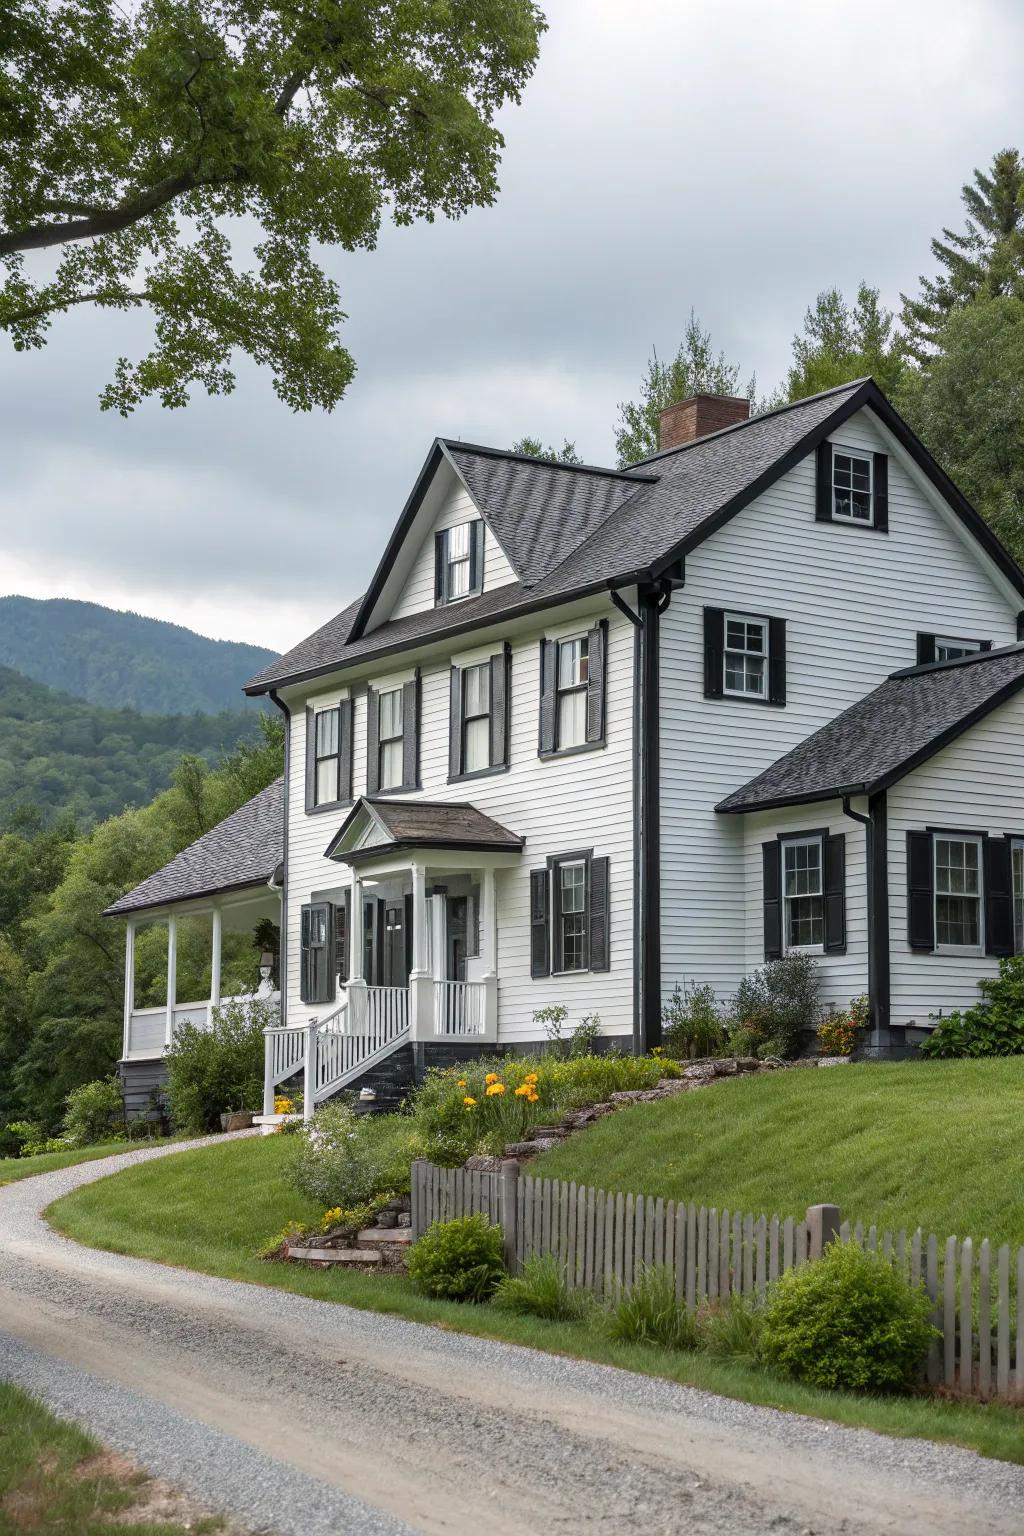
(459,562)
(851,486)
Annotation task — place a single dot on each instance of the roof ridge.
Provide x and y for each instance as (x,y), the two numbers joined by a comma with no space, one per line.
(971,659)
(453,444)
(737,426)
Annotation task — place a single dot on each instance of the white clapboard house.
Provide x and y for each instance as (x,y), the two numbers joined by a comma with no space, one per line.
(591,732)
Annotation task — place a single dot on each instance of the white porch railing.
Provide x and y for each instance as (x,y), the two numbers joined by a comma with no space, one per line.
(147,1027)
(369,1025)
(460,1010)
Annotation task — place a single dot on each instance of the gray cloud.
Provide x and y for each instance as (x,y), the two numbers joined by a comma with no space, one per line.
(733,158)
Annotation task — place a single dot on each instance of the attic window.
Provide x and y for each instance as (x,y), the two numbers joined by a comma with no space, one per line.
(458,562)
(851,487)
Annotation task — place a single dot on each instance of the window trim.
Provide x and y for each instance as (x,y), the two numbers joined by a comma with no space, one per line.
(335,757)
(816,835)
(940,834)
(560,692)
(445,597)
(556,862)
(847,517)
(741,693)
(386,741)
(968,647)
(466,719)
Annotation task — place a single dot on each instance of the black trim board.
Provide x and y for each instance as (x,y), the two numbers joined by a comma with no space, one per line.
(282,941)
(647,915)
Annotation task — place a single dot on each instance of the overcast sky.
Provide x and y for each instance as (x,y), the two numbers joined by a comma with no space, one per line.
(734,158)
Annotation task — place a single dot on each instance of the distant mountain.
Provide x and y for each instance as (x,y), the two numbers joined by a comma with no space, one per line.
(57,752)
(122,660)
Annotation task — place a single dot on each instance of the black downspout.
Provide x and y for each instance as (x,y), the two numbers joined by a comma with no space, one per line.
(876,851)
(282,962)
(653,600)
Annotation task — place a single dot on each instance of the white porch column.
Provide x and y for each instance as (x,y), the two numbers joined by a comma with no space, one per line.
(172,975)
(129,983)
(489,946)
(356,942)
(215,952)
(421,983)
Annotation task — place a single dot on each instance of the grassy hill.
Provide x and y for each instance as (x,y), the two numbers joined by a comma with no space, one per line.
(935,1144)
(57,751)
(122,660)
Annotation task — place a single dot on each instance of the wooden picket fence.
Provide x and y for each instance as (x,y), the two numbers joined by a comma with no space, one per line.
(603,1240)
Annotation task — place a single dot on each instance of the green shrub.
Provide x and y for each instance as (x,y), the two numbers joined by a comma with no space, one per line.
(95,1112)
(461,1260)
(777,1006)
(692,1023)
(220,1068)
(994,1027)
(542,1290)
(841,1029)
(585,1035)
(848,1320)
(650,1312)
(344,1159)
(30,1139)
(730,1329)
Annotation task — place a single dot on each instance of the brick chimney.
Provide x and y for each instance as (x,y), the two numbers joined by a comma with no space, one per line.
(687,420)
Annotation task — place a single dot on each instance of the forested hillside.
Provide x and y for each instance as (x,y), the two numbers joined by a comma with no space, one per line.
(123,660)
(58,753)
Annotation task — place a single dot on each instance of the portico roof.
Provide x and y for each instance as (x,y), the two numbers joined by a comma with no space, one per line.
(375,826)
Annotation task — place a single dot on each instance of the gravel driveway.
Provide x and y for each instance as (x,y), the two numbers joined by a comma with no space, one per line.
(305,1417)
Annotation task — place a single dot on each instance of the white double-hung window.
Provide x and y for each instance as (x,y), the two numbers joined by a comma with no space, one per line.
(573,674)
(328,756)
(959,917)
(390,740)
(852,486)
(803,897)
(476,718)
(459,547)
(951,650)
(746,656)
(571,915)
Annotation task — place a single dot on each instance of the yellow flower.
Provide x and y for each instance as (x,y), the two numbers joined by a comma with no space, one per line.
(523,1091)
(533,1098)
(492,1077)
(494,1088)
(469,1102)
(531,1077)
(461,1083)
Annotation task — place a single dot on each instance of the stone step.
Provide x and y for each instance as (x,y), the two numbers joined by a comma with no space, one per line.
(334,1255)
(385,1235)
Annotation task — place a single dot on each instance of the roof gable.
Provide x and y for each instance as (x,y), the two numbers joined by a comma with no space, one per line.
(375,826)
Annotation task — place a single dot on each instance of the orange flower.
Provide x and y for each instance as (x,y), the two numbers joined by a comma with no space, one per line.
(495,1088)
(492,1077)
(468,1101)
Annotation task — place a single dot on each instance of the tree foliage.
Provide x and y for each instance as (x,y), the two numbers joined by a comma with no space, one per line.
(842,342)
(142,143)
(986,257)
(534,447)
(695,369)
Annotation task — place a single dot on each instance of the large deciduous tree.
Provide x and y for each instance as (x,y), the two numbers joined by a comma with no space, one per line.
(535,448)
(142,141)
(695,369)
(986,257)
(841,342)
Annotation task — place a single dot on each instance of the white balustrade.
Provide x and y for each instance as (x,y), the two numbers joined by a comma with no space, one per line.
(459,1009)
(368,1026)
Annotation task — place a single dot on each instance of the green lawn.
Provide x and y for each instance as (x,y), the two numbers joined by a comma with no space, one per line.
(52,1482)
(931,1144)
(14,1168)
(214,1210)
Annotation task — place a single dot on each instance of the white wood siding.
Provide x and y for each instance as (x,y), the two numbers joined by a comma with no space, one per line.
(843,976)
(581,801)
(974,785)
(853,600)
(418,593)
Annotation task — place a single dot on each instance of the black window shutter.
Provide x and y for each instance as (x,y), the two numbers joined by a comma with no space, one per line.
(540,928)
(925,649)
(548,679)
(476,556)
(455,724)
(776,661)
(998,896)
(1020,625)
(440,566)
(411,733)
(714,651)
(986,645)
(882,492)
(771,887)
(501,694)
(310,758)
(327,980)
(920,891)
(316,971)
(597,650)
(599,916)
(834,891)
(346,711)
(305,958)
(372,741)
(823,484)
(342,936)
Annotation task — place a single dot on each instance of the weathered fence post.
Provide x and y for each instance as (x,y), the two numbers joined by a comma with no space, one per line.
(823,1223)
(508,1179)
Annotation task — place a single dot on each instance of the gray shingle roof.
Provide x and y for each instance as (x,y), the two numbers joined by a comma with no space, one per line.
(430,824)
(880,738)
(243,849)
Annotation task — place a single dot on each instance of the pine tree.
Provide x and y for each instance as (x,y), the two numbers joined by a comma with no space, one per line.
(695,369)
(841,343)
(987,257)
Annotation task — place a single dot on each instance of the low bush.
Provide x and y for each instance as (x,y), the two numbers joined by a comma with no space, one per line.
(839,1031)
(730,1329)
(691,1023)
(543,1290)
(94,1112)
(27,1139)
(849,1320)
(777,1008)
(994,1027)
(459,1260)
(345,1159)
(220,1068)
(650,1312)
